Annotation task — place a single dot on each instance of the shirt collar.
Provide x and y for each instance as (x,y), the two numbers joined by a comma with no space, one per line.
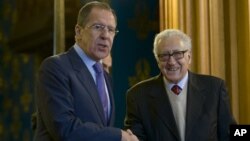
(181,83)
(85,58)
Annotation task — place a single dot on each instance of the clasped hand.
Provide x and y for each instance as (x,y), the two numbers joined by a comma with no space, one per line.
(128,136)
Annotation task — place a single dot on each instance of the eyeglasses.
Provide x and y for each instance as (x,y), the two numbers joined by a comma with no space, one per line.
(100,28)
(177,55)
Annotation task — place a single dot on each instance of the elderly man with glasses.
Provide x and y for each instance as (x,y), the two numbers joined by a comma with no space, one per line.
(178,105)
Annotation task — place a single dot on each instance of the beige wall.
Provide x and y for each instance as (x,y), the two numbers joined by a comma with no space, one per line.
(220,33)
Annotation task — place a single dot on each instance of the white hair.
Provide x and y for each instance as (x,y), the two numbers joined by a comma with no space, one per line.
(168,33)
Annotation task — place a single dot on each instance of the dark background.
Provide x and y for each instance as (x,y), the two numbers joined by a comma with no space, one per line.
(26,38)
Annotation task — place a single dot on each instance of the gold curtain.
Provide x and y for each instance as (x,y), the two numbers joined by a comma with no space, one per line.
(59,27)
(220,32)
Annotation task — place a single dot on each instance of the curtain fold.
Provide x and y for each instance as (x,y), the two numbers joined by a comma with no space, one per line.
(220,32)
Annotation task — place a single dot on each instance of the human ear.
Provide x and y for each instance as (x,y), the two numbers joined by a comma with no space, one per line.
(189,58)
(77,32)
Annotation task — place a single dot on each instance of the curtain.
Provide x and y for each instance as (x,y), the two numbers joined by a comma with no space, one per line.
(220,35)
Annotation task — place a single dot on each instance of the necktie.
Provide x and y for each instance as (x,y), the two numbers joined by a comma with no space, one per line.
(101,87)
(176,89)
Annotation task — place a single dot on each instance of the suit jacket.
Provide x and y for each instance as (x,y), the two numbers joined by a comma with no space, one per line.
(149,114)
(68,105)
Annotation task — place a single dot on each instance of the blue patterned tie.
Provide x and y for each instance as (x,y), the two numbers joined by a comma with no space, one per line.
(101,87)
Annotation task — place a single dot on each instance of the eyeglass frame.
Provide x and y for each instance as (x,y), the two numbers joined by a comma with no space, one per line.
(101,27)
(168,55)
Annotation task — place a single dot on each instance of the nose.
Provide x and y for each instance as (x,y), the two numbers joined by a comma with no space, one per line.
(171,60)
(105,33)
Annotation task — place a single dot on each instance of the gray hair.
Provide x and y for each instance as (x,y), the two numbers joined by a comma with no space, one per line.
(168,33)
(83,15)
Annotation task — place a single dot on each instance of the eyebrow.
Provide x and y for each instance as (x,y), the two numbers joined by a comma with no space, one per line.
(172,51)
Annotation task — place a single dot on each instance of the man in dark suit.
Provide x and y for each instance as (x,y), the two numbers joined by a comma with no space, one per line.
(71,106)
(178,105)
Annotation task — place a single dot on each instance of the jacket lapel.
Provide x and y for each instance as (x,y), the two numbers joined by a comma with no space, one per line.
(87,81)
(112,103)
(163,107)
(195,101)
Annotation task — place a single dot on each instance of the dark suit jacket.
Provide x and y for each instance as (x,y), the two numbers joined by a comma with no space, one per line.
(150,117)
(68,105)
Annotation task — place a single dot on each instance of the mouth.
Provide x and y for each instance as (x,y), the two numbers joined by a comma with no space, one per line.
(103,45)
(172,69)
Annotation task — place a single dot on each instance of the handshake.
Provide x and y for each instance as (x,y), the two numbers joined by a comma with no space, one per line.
(128,136)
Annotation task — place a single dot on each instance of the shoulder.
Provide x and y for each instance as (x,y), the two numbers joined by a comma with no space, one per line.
(60,65)
(60,57)
(204,77)
(206,81)
(52,63)
(58,60)
(146,85)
